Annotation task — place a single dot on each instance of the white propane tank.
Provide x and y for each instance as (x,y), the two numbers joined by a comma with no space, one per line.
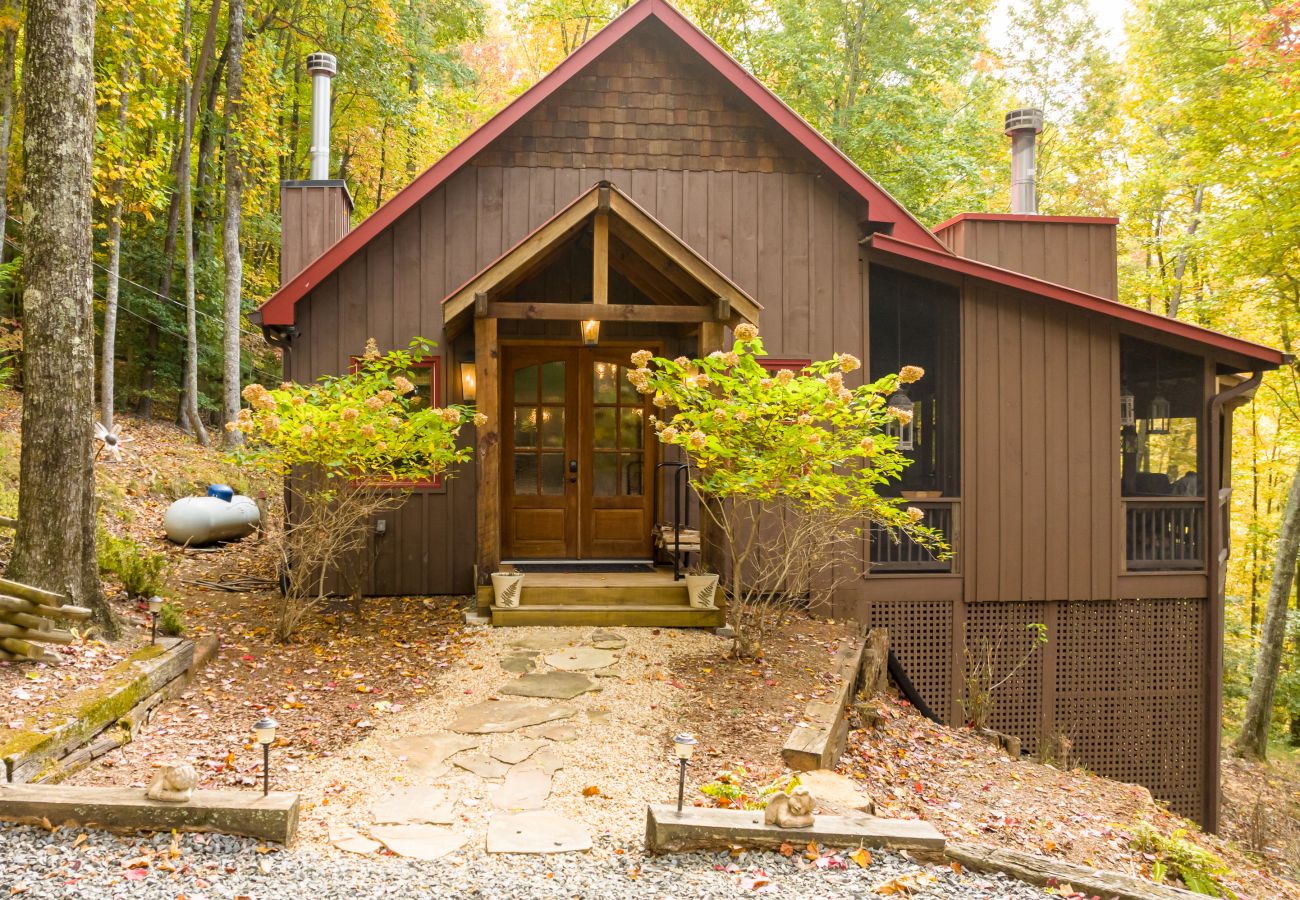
(195,521)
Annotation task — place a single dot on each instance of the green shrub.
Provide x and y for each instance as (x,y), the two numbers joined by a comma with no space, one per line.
(171,619)
(1200,870)
(140,570)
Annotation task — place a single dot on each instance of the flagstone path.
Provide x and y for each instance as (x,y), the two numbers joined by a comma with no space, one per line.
(456,767)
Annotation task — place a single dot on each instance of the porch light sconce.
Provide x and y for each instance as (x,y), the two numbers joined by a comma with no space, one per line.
(468,381)
(590,331)
(904,431)
(1127,407)
(1158,420)
(264,729)
(683,747)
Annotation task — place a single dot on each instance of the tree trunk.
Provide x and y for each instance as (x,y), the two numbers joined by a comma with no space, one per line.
(8,56)
(230,229)
(108,353)
(1253,740)
(55,543)
(190,402)
(1180,268)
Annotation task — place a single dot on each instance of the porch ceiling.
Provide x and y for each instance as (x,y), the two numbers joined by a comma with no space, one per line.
(681,285)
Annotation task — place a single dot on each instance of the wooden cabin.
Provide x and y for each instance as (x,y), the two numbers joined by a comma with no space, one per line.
(1075,450)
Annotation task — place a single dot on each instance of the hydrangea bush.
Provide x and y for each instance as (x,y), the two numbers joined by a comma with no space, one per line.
(345,446)
(365,425)
(803,452)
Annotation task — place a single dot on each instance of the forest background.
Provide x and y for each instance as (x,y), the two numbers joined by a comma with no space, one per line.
(1188,130)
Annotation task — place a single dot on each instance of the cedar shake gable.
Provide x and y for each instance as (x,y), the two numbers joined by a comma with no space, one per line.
(741,123)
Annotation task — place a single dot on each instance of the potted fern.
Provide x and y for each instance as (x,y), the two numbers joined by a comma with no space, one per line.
(701,586)
(506,588)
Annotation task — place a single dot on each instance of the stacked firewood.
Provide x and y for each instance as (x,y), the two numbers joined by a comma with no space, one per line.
(687,539)
(27,617)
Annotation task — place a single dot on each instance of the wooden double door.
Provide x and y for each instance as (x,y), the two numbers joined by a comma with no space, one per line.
(577,454)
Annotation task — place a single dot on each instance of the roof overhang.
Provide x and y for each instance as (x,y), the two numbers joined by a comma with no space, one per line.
(1250,356)
(278,310)
(683,285)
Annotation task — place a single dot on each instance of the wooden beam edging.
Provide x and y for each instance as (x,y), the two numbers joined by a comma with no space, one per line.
(1043,871)
(668,831)
(819,741)
(106,716)
(273,817)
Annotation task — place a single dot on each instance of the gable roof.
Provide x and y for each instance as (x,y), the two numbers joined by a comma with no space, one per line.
(645,236)
(1258,355)
(278,310)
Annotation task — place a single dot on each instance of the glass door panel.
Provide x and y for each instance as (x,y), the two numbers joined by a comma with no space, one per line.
(540,489)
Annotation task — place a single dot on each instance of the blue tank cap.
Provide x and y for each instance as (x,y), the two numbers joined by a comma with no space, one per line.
(221,492)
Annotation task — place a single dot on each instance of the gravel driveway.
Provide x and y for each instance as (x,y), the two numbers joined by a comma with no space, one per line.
(37,864)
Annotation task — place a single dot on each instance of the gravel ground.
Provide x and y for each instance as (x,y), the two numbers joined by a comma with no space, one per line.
(35,863)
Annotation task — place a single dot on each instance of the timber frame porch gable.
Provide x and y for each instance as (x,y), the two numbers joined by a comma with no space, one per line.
(683,285)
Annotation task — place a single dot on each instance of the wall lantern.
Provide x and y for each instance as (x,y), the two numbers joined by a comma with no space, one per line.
(683,747)
(264,729)
(904,431)
(590,331)
(1127,407)
(468,381)
(1158,420)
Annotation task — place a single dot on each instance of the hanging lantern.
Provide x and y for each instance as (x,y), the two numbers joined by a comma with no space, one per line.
(1127,407)
(905,431)
(1158,419)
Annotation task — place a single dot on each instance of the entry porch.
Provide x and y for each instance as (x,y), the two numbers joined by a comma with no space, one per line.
(571,486)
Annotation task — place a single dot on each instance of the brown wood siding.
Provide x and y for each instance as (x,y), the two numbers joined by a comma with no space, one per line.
(787,238)
(1080,255)
(313,216)
(1039,450)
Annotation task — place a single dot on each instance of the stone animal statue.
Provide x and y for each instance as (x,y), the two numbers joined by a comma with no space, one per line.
(173,784)
(792,810)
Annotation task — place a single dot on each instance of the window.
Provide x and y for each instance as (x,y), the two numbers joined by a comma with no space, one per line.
(1161,399)
(1161,393)
(426,375)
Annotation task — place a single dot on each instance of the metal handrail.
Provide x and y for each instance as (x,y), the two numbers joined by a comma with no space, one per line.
(681,469)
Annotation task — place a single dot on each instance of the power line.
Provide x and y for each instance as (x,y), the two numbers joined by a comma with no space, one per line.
(123,307)
(142,287)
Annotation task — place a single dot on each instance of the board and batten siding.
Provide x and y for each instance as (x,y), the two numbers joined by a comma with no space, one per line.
(1040,450)
(788,238)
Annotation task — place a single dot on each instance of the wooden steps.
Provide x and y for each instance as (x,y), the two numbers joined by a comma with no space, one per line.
(649,598)
(607,614)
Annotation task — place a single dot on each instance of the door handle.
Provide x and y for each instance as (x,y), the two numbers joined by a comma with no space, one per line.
(573,470)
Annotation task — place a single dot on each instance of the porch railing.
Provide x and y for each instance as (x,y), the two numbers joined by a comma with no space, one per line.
(899,553)
(1164,534)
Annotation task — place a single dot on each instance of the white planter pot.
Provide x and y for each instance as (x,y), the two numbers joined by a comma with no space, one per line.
(506,588)
(702,589)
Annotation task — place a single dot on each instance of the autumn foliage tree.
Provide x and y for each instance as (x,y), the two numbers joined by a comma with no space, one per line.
(789,469)
(344,446)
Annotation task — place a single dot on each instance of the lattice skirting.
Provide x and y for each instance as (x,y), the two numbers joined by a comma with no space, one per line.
(1124,680)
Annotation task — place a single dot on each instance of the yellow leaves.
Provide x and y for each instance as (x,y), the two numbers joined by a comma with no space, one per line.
(861,856)
(811,852)
(905,885)
(592,791)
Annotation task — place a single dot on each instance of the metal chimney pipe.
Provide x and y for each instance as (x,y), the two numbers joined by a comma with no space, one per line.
(1023,126)
(322,67)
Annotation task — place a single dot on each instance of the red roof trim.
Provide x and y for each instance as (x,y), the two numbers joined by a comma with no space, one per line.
(882,243)
(1020,217)
(278,310)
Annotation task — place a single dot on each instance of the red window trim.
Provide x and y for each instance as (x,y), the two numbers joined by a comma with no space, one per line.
(434,364)
(775,365)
